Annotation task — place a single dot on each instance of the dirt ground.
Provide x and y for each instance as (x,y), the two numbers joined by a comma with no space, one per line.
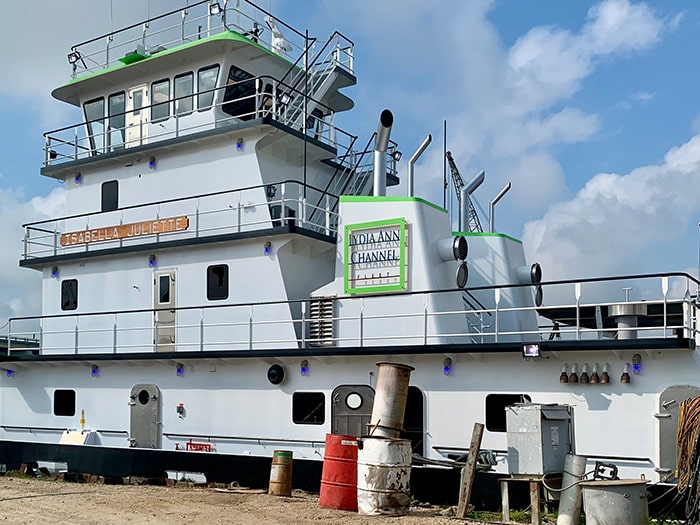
(31,501)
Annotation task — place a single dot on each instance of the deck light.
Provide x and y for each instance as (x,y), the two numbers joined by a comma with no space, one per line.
(152,261)
(95,371)
(447,366)
(53,154)
(54,271)
(78,178)
(239,144)
(179,369)
(531,350)
(215,9)
(396,155)
(267,248)
(605,376)
(636,364)
(625,377)
(563,377)
(595,378)
(285,98)
(152,163)
(10,373)
(74,56)
(304,367)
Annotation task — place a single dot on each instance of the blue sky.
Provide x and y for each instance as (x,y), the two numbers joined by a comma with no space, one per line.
(590,109)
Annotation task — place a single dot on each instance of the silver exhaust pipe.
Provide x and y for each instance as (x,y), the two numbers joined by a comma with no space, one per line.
(386,120)
(413,160)
(492,207)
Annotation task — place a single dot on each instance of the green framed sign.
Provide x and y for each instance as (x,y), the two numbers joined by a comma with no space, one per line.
(375,256)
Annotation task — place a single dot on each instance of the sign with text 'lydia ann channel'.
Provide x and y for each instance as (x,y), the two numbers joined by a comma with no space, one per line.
(375,256)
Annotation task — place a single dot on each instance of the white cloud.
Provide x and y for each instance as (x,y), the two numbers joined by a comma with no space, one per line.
(21,287)
(607,227)
(638,97)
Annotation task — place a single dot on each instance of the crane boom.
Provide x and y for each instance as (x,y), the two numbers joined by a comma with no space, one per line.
(474,223)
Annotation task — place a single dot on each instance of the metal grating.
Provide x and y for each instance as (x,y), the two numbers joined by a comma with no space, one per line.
(321,331)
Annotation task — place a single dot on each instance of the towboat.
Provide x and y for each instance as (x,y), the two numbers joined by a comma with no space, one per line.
(229,270)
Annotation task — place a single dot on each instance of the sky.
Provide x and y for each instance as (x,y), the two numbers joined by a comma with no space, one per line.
(589,109)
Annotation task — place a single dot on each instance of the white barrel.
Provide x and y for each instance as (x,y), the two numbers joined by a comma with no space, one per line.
(616,502)
(383,476)
(390,400)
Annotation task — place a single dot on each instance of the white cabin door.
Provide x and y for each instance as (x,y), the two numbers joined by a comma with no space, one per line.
(137,116)
(164,310)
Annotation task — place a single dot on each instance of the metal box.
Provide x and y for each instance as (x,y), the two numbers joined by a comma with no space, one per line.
(539,438)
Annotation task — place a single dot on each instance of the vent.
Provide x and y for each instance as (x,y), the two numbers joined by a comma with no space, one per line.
(321,321)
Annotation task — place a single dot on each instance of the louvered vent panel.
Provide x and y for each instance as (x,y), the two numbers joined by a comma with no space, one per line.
(321,321)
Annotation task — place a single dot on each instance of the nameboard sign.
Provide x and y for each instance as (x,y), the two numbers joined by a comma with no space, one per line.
(375,256)
(126,231)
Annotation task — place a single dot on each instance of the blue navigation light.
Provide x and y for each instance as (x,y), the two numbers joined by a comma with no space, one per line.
(95,371)
(152,261)
(447,366)
(304,367)
(239,144)
(10,373)
(267,248)
(636,367)
(180,370)
(152,163)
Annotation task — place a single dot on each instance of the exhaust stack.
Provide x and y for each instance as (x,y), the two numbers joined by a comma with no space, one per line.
(386,120)
(492,207)
(413,160)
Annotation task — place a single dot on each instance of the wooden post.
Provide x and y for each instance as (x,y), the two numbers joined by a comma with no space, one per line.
(469,471)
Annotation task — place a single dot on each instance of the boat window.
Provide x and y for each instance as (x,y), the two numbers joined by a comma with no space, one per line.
(117,121)
(496,409)
(239,97)
(206,82)
(308,408)
(164,289)
(160,92)
(184,90)
(110,195)
(69,294)
(64,403)
(217,282)
(94,117)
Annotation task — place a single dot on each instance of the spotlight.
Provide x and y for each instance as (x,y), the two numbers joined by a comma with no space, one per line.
(396,155)
(267,248)
(152,261)
(53,154)
(152,163)
(95,371)
(74,56)
(285,98)
(215,9)
(179,369)
(531,350)
(304,367)
(447,366)
(54,271)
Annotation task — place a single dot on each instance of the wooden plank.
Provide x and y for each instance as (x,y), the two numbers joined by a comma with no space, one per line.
(505,503)
(469,471)
(535,517)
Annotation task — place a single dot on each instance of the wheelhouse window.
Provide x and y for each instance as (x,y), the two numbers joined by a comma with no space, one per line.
(69,294)
(95,119)
(110,195)
(239,96)
(206,82)
(117,121)
(217,282)
(64,402)
(184,93)
(308,408)
(160,92)
(496,409)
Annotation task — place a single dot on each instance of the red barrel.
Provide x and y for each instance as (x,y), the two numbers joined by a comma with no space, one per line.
(339,476)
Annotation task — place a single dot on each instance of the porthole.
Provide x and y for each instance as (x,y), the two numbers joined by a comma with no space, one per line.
(353,401)
(144,397)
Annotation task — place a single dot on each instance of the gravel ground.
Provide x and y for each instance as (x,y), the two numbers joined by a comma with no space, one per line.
(30,501)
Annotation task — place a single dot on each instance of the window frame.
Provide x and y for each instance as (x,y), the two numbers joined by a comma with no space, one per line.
(297,409)
(110,201)
(155,106)
(222,288)
(89,123)
(209,92)
(67,289)
(121,116)
(179,98)
(58,394)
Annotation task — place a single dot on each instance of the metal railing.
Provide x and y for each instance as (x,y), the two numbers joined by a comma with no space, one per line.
(364,321)
(265,97)
(184,25)
(218,213)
